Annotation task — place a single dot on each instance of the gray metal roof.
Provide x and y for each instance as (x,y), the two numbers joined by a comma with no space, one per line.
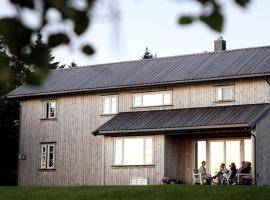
(250,62)
(184,119)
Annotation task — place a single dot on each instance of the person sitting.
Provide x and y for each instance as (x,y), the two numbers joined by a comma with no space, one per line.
(232,173)
(206,177)
(220,173)
(243,164)
(246,179)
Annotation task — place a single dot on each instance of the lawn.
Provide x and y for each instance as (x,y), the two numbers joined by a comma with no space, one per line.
(168,192)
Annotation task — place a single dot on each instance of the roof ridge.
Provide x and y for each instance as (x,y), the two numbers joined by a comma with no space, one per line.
(159,58)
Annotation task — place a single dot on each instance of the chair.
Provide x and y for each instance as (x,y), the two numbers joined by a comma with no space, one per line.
(244,178)
(197,177)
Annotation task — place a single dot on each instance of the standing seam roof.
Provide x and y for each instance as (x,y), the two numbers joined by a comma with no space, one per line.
(249,62)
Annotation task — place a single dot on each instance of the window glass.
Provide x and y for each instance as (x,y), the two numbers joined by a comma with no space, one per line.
(167,98)
(118,152)
(148,151)
(233,153)
(109,105)
(50,109)
(227,93)
(137,100)
(43,156)
(201,152)
(247,147)
(224,93)
(152,99)
(133,151)
(47,156)
(219,94)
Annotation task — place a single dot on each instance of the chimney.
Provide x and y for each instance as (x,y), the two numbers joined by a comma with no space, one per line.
(220,44)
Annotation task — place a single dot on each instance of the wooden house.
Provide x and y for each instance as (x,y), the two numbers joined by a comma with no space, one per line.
(110,123)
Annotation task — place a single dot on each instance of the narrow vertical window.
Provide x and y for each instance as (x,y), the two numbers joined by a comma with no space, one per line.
(50,109)
(47,156)
(110,105)
(118,151)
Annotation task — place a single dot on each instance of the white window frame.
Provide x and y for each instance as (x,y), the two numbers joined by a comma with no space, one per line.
(219,93)
(47,109)
(140,96)
(110,97)
(45,156)
(122,162)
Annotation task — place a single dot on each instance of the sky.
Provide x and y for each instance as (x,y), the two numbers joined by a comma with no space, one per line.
(153,24)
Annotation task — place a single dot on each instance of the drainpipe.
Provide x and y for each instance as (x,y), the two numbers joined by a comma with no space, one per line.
(253,156)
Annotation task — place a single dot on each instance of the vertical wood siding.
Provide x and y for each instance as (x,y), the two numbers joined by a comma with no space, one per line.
(179,158)
(122,175)
(80,155)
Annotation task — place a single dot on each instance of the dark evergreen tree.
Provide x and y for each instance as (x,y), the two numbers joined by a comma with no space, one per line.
(147,54)
(41,46)
(72,64)
(9,109)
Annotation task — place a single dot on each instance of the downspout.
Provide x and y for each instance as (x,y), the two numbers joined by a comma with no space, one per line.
(267,79)
(253,147)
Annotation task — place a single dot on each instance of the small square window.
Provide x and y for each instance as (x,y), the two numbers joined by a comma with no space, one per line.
(224,93)
(110,105)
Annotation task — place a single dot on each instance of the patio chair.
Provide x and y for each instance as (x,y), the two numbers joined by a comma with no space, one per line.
(244,178)
(197,177)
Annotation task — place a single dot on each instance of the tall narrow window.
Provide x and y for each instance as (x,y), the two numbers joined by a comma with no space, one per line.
(224,93)
(48,156)
(110,105)
(133,151)
(50,109)
(152,99)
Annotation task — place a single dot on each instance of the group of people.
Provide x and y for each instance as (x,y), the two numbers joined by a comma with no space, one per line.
(225,174)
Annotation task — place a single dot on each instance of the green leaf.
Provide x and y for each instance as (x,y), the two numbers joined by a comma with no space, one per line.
(57,39)
(80,19)
(242,3)
(185,20)
(36,77)
(88,50)
(16,35)
(24,3)
(215,20)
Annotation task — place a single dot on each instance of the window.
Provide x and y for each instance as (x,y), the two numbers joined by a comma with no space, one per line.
(133,151)
(109,105)
(224,93)
(152,99)
(50,109)
(47,156)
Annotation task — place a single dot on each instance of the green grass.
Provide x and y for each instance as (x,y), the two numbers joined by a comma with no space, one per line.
(168,192)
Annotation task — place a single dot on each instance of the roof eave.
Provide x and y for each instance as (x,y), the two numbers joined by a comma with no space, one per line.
(221,126)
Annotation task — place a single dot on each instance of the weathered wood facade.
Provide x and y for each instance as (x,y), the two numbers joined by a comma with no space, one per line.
(85,159)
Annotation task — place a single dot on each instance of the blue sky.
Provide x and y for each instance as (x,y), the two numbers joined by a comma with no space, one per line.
(153,23)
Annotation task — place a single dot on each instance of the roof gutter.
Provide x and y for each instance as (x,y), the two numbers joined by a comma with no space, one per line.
(138,85)
(97,132)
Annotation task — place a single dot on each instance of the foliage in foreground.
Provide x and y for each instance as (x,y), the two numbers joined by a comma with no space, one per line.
(158,192)
(80,16)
